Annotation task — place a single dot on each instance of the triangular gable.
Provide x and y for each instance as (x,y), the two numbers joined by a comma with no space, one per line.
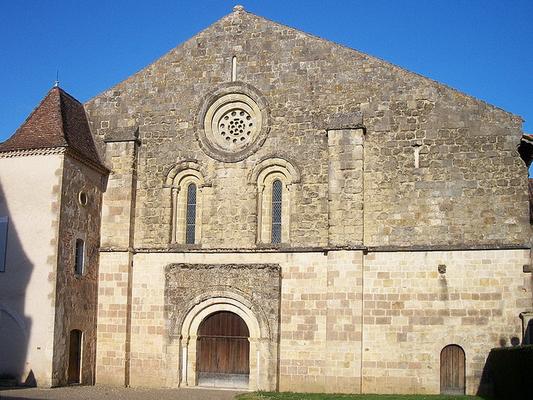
(58,121)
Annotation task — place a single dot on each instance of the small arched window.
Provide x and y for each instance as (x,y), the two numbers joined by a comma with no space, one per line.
(79,259)
(190,233)
(277,194)
(275,179)
(186,184)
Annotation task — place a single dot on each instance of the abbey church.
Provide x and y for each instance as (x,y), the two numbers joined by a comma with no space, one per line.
(264,209)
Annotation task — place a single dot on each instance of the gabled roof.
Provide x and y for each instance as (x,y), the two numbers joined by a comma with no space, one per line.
(58,121)
(240,20)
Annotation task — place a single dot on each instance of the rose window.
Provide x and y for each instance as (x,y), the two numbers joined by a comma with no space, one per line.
(236,126)
(233,124)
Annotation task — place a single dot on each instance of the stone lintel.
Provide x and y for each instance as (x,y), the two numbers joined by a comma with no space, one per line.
(343,121)
(209,266)
(130,134)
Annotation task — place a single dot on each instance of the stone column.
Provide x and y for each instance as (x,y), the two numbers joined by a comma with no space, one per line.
(345,199)
(116,261)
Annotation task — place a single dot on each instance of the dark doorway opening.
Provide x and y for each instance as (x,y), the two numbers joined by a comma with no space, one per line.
(452,370)
(223,351)
(74,358)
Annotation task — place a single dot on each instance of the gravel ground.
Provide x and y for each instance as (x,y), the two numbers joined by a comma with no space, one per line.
(110,393)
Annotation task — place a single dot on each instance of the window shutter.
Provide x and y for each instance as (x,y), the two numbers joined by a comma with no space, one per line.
(3,242)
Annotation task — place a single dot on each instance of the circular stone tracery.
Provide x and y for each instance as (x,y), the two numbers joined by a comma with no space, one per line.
(232,127)
(236,125)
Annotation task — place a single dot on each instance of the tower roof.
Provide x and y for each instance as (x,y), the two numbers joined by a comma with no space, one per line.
(58,121)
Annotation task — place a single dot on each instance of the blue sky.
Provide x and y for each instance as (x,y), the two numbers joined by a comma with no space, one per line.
(481,47)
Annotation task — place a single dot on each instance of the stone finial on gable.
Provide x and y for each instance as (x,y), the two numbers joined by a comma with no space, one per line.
(238,8)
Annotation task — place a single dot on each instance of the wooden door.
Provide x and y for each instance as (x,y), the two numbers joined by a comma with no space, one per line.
(223,346)
(452,370)
(74,359)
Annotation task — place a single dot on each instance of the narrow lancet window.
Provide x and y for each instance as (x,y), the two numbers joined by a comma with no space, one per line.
(79,257)
(277,190)
(234,69)
(190,232)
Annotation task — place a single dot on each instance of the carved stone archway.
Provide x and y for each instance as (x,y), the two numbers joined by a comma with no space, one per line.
(260,352)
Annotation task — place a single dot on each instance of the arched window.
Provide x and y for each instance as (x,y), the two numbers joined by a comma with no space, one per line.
(275,178)
(277,196)
(79,259)
(190,232)
(186,184)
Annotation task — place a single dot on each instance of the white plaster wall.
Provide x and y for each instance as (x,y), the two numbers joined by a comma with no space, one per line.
(29,195)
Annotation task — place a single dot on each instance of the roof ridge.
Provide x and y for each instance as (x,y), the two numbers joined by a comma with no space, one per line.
(35,109)
(61,111)
(60,120)
(381,60)
(64,92)
(239,12)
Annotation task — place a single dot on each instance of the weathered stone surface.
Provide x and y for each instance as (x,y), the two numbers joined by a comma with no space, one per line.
(344,121)
(345,191)
(390,175)
(76,295)
(256,285)
(259,283)
(411,312)
(469,188)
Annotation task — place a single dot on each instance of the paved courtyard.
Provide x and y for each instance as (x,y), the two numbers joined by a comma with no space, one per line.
(111,393)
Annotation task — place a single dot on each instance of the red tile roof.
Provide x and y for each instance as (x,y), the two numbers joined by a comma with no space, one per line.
(58,121)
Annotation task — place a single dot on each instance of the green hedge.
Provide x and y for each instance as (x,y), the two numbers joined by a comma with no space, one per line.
(510,372)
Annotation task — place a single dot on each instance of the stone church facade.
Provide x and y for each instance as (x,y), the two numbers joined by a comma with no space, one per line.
(349,221)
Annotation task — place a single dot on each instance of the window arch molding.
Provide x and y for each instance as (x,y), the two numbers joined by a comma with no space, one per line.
(274,163)
(263,175)
(178,179)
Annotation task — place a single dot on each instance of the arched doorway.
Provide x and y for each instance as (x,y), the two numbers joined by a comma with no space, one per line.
(452,370)
(223,351)
(74,358)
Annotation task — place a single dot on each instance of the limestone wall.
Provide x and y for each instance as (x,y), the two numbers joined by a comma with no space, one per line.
(349,322)
(114,285)
(30,190)
(76,294)
(467,186)
(319,342)
(118,200)
(112,321)
(386,160)
(345,190)
(411,312)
